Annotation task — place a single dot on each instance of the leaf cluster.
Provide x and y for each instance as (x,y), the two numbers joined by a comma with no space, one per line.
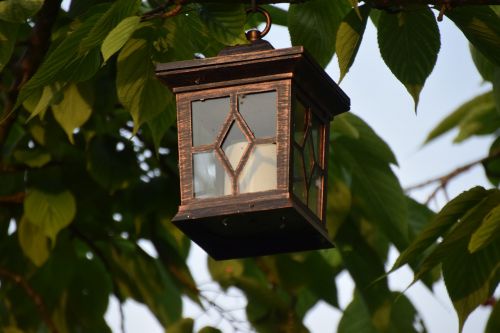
(89,183)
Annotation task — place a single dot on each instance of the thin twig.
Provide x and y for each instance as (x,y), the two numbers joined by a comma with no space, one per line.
(444,180)
(33,295)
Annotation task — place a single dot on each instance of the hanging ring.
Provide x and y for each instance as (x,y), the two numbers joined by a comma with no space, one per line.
(254,34)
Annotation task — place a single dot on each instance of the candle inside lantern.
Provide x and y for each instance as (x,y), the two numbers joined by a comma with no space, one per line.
(260,170)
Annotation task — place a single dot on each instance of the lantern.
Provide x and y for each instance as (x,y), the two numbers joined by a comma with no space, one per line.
(253,132)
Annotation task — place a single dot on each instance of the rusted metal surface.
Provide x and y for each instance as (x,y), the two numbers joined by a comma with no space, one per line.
(260,223)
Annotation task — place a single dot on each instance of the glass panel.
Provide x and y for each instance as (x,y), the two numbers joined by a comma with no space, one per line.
(299,121)
(316,138)
(208,116)
(260,172)
(208,175)
(299,180)
(314,192)
(308,156)
(259,111)
(234,145)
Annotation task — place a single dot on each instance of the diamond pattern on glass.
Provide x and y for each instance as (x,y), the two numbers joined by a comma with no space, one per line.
(234,145)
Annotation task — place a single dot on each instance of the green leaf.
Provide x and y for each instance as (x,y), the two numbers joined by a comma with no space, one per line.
(419,216)
(349,36)
(18,11)
(441,223)
(208,329)
(367,270)
(459,236)
(314,25)
(56,61)
(137,87)
(483,65)
(225,22)
(50,212)
(488,232)
(88,294)
(341,126)
(47,96)
(144,279)
(35,158)
(110,167)
(107,22)
(483,119)
(225,271)
(471,278)
(185,325)
(117,37)
(374,187)
(493,325)
(8,37)
(356,318)
(160,124)
(409,44)
(481,26)
(456,117)
(73,110)
(496,87)
(33,241)
(492,165)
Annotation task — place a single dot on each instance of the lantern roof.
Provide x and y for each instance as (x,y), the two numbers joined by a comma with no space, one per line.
(257,62)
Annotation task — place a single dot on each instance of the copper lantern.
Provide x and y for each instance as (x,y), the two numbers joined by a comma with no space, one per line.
(253,131)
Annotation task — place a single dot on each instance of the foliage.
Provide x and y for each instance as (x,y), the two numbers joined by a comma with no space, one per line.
(88,149)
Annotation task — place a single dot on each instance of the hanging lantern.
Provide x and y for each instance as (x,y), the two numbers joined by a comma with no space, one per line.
(253,131)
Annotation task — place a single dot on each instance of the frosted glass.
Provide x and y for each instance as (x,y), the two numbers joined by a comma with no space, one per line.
(208,175)
(260,172)
(208,116)
(259,111)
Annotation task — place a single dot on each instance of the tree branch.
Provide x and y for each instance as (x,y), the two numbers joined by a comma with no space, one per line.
(161,11)
(37,48)
(35,297)
(15,198)
(445,179)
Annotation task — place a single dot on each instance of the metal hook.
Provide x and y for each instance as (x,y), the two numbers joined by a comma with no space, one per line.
(254,34)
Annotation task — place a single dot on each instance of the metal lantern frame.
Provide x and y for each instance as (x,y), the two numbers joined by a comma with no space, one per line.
(277,220)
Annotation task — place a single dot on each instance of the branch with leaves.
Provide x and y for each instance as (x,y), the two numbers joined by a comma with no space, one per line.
(33,295)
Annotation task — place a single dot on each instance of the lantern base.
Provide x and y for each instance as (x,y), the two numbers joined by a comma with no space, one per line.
(254,233)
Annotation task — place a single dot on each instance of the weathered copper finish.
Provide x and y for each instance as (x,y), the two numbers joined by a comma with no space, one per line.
(267,222)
